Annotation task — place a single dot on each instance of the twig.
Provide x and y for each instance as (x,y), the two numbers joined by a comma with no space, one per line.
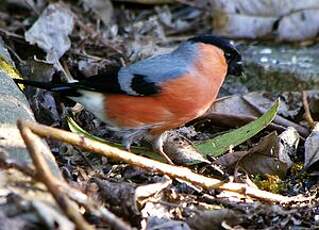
(44,174)
(117,154)
(10,34)
(307,115)
(73,194)
(145,163)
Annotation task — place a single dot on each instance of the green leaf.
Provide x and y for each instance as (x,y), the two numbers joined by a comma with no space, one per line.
(221,144)
(75,128)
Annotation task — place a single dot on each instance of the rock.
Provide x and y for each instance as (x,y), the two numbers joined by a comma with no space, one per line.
(280,67)
(14,106)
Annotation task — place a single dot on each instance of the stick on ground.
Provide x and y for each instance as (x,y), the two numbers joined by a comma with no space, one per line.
(33,143)
(307,115)
(151,165)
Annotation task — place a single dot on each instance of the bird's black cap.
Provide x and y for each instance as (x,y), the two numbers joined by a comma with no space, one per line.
(232,55)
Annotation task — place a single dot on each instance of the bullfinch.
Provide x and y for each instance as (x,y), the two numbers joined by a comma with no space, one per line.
(163,92)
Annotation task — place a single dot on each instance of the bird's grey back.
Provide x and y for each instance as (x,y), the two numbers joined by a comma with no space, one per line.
(159,68)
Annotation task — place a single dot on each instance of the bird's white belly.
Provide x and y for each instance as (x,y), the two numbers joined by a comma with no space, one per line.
(93,102)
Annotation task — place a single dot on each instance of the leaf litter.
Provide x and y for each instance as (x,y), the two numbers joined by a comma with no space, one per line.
(144,199)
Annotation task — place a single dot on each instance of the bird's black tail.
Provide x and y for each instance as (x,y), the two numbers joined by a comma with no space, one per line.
(66,89)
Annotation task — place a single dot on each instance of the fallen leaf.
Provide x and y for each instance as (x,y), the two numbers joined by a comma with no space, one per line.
(313,100)
(213,219)
(259,101)
(44,107)
(234,111)
(145,191)
(288,142)
(267,158)
(177,147)
(103,9)
(120,197)
(158,210)
(224,142)
(272,155)
(128,197)
(232,105)
(261,104)
(154,223)
(181,151)
(75,128)
(50,32)
(312,147)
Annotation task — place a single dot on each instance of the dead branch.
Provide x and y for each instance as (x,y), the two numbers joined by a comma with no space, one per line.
(307,115)
(151,165)
(44,174)
(75,195)
(63,187)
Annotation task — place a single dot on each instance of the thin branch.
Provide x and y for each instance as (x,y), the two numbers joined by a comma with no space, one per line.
(151,165)
(307,115)
(121,155)
(64,188)
(44,174)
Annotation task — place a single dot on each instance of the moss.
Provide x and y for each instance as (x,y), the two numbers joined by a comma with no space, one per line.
(10,70)
(259,78)
(270,183)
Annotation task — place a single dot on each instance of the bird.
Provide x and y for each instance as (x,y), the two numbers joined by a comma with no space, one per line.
(156,94)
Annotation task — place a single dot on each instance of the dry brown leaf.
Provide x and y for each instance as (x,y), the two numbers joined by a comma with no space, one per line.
(214,219)
(181,151)
(233,105)
(128,197)
(234,111)
(270,156)
(50,32)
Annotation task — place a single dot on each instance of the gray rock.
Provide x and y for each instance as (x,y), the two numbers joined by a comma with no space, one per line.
(14,106)
(280,67)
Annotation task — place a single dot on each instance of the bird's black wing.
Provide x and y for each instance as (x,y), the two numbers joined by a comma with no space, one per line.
(108,82)
(105,82)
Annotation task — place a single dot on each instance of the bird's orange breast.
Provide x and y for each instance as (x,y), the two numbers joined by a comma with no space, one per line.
(181,99)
